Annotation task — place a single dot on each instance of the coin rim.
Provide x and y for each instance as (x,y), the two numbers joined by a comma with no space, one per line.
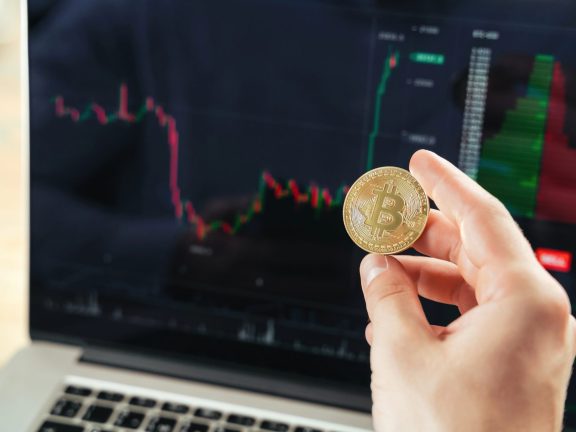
(346,199)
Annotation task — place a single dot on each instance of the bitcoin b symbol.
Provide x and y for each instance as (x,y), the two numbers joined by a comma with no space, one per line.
(386,215)
(385,211)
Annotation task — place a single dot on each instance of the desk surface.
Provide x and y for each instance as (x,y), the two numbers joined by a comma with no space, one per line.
(12,234)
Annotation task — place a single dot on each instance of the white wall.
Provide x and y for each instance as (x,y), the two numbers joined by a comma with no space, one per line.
(8,19)
(12,291)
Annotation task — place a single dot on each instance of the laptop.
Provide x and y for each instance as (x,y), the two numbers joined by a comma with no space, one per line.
(188,266)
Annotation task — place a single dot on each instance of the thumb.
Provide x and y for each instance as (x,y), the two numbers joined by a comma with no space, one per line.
(392,300)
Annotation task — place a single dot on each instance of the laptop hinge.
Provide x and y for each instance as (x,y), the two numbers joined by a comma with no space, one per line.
(229,377)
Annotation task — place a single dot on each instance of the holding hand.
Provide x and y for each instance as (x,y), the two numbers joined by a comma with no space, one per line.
(504,365)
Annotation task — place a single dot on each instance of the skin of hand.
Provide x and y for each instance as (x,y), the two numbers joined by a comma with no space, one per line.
(505,363)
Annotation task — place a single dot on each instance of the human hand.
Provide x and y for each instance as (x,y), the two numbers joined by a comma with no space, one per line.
(505,363)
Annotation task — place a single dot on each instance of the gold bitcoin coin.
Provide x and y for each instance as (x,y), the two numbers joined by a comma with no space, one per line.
(385,211)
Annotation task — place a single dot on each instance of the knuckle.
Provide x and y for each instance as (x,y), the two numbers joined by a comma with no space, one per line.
(560,305)
(543,301)
(379,298)
(384,292)
(553,309)
(495,206)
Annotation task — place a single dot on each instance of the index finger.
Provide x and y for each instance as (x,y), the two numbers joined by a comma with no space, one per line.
(488,235)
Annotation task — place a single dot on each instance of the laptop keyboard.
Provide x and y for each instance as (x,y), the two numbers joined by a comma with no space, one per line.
(82,409)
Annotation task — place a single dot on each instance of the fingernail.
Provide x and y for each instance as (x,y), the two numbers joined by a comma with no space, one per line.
(376,269)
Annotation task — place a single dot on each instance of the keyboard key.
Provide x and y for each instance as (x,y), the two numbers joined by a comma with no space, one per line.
(274,426)
(52,426)
(66,408)
(98,414)
(142,402)
(129,419)
(98,429)
(241,420)
(78,391)
(306,429)
(110,396)
(226,429)
(208,414)
(161,424)
(175,408)
(194,427)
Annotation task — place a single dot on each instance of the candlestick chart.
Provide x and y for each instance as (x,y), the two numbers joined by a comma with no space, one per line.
(314,196)
(390,63)
(318,198)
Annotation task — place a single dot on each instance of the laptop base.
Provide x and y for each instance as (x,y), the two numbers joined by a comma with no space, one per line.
(43,375)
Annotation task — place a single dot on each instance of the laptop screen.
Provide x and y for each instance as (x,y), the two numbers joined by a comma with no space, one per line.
(189,160)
